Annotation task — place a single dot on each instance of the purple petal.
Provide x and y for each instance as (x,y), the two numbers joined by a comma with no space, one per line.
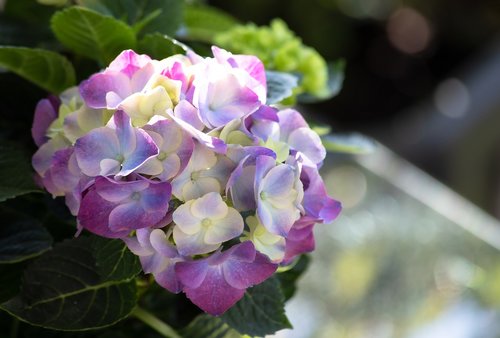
(129,216)
(127,74)
(209,282)
(103,150)
(120,122)
(225,100)
(278,181)
(136,146)
(156,197)
(193,273)
(95,90)
(316,202)
(251,64)
(144,208)
(177,72)
(170,133)
(144,150)
(42,159)
(117,191)
(129,62)
(265,113)
(276,222)
(168,278)
(99,144)
(299,241)
(209,205)
(241,188)
(189,114)
(214,296)
(309,143)
(290,120)
(194,244)
(46,111)
(242,275)
(64,171)
(72,201)
(210,142)
(94,215)
(161,244)
(262,166)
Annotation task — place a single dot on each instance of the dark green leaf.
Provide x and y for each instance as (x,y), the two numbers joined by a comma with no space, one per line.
(203,22)
(146,16)
(16,176)
(114,261)
(44,68)
(261,311)
(160,46)
(22,239)
(288,278)
(10,280)
(335,81)
(67,288)
(28,11)
(206,326)
(14,32)
(348,143)
(113,334)
(279,86)
(92,34)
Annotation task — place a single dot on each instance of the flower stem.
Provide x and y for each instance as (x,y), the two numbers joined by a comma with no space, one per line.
(153,322)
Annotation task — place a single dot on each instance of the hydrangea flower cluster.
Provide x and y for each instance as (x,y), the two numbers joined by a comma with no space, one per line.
(183,160)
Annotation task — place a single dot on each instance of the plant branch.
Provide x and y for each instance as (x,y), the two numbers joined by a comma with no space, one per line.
(152,321)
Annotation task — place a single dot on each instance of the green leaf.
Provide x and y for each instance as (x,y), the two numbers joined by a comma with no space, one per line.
(261,311)
(91,34)
(72,288)
(288,279)
(146,16)
(113,259)
(206,326)
(15,173)
(57,3)
(319,128)
(348,143)
(202,23)
(44,68)
(10,280)
(28,11)
(22,239)
(279,86)
(160,46)
(335,81)
(14,32)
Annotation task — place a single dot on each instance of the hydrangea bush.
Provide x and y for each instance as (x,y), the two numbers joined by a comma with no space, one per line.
(172,188)
(182,159)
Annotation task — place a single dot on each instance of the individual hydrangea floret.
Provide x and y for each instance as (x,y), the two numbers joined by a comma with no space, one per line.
(203,224)
(216,283)
(113,208)
(116,149)
(184,161)
(271,245)
(157,255)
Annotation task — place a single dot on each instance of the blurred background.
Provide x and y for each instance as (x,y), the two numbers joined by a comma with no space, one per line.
(422,77)
(415,252)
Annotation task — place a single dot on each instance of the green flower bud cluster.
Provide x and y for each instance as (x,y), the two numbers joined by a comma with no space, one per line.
(281,50)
